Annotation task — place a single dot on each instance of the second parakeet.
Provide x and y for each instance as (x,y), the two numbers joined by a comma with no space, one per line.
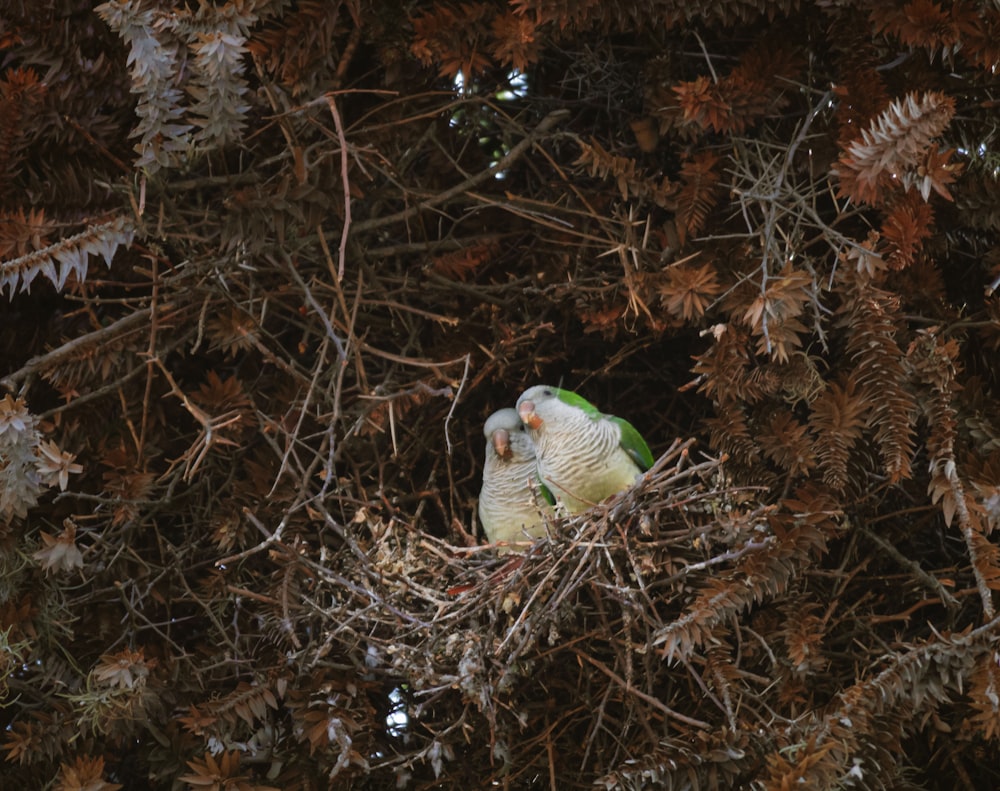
(512,501)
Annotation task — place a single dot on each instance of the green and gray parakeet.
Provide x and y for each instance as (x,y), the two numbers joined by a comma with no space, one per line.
(512,501)
(582,454)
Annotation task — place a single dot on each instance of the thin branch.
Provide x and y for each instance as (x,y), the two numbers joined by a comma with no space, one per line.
(345,182)
(502,164)
(43,362)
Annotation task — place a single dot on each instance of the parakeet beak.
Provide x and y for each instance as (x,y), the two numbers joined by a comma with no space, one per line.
(501,442)
(528,415)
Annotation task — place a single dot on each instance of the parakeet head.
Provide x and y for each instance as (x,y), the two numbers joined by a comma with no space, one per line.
(499,428)
(537,401)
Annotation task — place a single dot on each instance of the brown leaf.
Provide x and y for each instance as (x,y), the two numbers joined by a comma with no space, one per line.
(60,553)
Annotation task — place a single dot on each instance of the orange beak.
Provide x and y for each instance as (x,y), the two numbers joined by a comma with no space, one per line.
(528,415)
(501,442)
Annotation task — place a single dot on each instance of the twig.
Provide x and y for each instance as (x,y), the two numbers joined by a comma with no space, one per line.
(454,401)
(927,579)
(307,293)
(342,251)
(965,524)
(104,335)
(503,163)
(150,353)
(654,702)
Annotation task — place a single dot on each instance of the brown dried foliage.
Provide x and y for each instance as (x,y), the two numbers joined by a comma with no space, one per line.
(240,434)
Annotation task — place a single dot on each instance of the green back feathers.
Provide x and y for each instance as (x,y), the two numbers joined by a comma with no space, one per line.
(571,398)
(633,443)
(631,440)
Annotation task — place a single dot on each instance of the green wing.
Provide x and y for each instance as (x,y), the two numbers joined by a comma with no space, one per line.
(633,443)
(545,492)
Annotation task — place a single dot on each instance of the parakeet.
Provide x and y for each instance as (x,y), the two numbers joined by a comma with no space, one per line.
(512,500)
(582,454)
